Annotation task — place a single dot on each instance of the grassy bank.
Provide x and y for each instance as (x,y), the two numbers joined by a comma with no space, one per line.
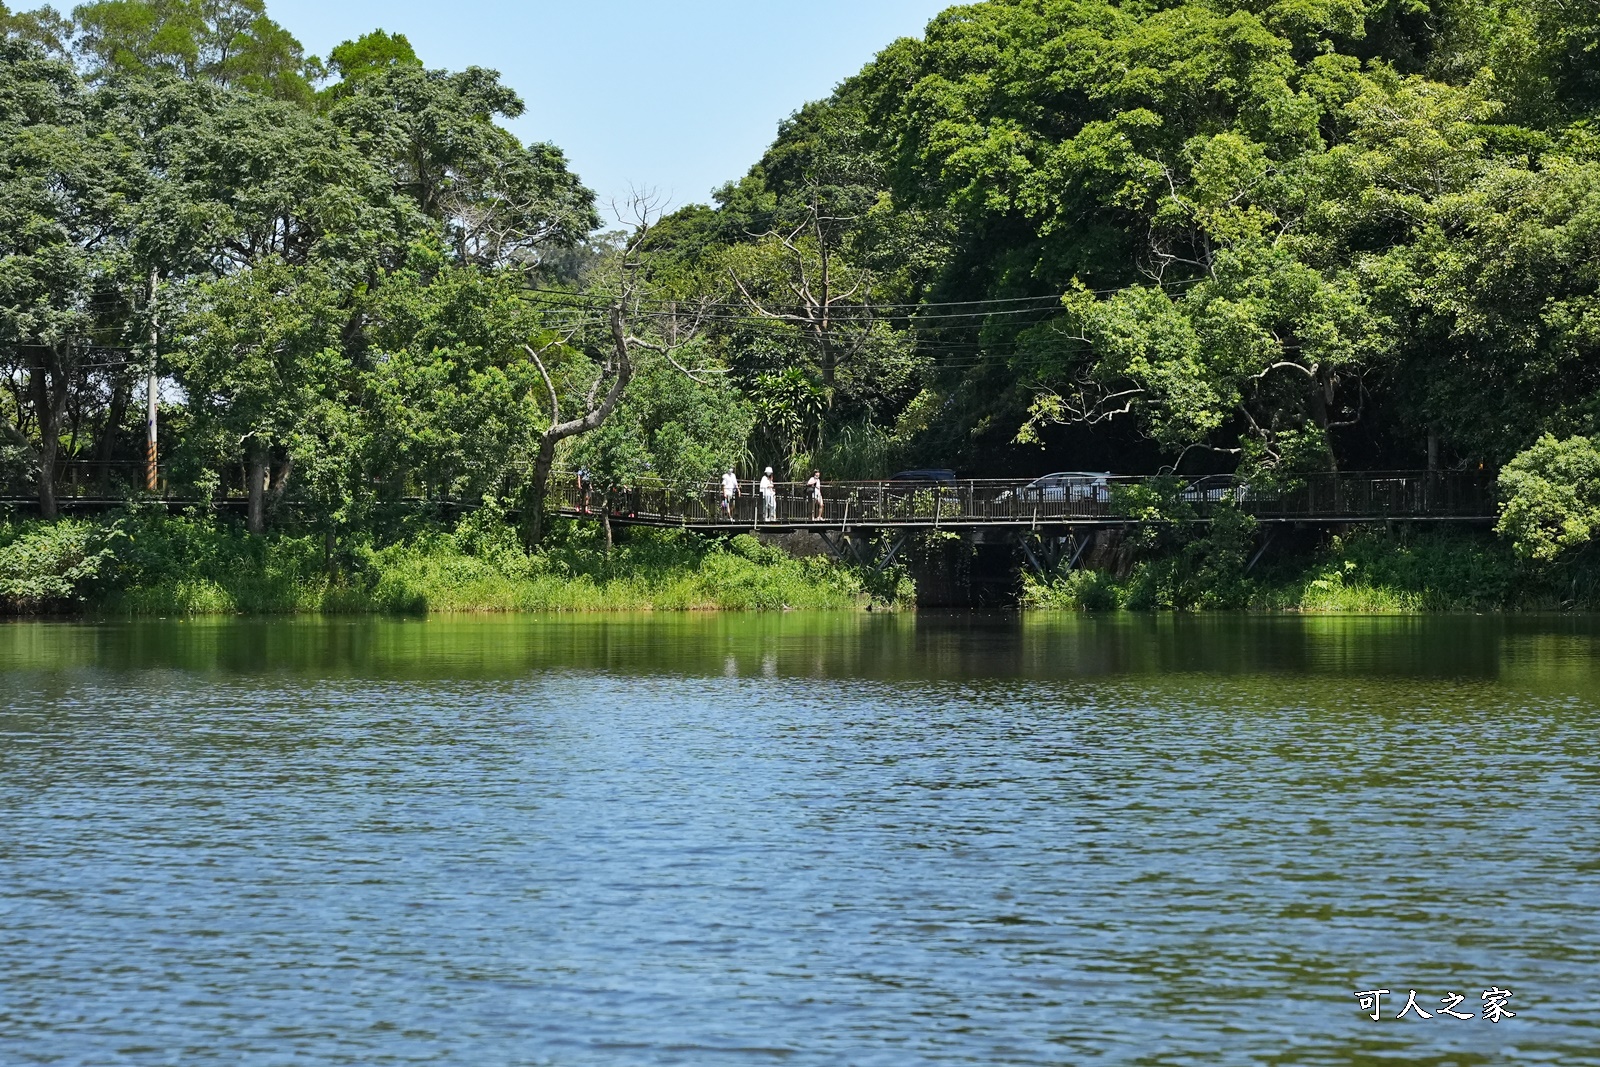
(151,564)
(146,563)
(1369,571)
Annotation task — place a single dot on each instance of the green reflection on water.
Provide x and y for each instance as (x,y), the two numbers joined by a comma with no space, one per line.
(1554,654)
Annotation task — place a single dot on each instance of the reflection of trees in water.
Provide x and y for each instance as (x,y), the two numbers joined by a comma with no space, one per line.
(1543,653)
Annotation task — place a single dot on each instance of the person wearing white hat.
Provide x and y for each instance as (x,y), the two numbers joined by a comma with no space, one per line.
(769,497)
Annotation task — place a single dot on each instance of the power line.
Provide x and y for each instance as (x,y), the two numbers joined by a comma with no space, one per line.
(689,306)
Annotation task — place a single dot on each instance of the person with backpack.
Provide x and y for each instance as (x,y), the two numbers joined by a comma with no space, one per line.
(815,485)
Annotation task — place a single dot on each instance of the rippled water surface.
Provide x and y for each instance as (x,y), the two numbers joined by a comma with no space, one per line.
(798,840)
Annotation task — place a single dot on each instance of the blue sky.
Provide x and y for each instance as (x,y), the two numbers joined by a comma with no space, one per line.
(676,96)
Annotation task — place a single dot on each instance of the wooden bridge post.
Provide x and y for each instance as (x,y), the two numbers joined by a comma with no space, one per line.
(1033,560)
(895,545)
(1082,545)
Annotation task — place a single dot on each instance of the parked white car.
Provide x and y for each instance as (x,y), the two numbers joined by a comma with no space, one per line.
(1062,487)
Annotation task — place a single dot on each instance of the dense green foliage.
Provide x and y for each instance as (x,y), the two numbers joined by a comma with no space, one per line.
(1293,234)
(1271,236)
(146,563)
(1211,235)
(335,287)
(1552,497)
(1365,571)
(53,566)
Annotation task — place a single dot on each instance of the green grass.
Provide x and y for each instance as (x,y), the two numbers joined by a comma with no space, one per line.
(656,571)
(145,564)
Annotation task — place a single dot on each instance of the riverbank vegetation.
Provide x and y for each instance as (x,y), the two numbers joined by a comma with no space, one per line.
(141,562)
(1263,237)
(1360,571)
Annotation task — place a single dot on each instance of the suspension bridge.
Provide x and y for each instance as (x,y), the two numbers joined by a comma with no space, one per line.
(1049,521)
(1324,498)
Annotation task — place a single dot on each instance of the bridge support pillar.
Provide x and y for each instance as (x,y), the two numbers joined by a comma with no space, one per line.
(1049,554)
(1266,543)
(852,547)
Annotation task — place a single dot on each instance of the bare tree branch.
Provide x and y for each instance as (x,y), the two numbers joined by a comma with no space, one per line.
(1310,372)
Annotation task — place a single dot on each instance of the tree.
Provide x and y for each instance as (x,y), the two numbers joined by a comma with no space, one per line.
(693,427)
(1084,144)
(824,264)
(225,42)
(498,202)
(1500,290)
(1551,498)
(596,402)
(670,428)
(312,296)
(789,411)
(810,286)
(261,359)
(63,249)
(44,27)
(450,395)
(1261,239)
(372,53)
(276,182)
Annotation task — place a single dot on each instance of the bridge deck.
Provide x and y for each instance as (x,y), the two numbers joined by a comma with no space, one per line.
(972,504)
(1018,505)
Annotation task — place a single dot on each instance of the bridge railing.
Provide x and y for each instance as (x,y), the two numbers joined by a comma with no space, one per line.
(1380,494)
(81,478)
(965,502)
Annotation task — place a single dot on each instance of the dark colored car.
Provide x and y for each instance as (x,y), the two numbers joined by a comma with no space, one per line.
(1212,489)
(931,476)
(909,492)
(1216,488)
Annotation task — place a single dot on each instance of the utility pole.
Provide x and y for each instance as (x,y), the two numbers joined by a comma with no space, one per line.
(152,393)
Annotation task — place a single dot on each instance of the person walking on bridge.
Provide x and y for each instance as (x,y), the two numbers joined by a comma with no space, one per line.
(769,497)
(585,486)
(730,493)
(814,483)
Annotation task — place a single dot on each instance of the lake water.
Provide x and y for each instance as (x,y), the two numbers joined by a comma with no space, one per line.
(798,840)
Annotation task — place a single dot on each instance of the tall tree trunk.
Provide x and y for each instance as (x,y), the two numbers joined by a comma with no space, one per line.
(48,447)
(278,481)
(50,401)
(121,393)
(256,476)
(1319,404)
(544,460)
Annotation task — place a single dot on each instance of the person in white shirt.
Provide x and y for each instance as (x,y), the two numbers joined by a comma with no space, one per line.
(730,492)
(815,485)
(769,497)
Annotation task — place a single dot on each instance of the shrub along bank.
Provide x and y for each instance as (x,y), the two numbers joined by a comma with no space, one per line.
(1537,557)
(1365,570)
(144,563)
